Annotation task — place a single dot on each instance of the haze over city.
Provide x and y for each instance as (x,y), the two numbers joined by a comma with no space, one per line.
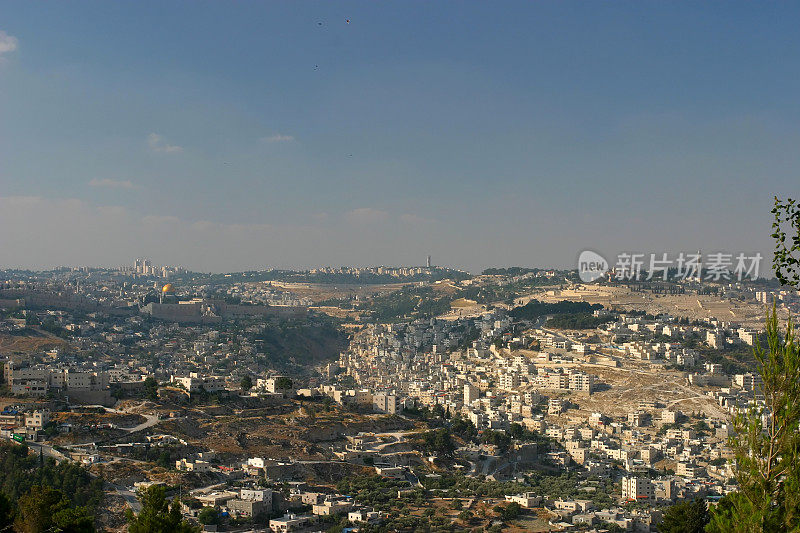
(366,133)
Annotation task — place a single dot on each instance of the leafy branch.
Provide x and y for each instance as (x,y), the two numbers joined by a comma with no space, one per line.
(786,259)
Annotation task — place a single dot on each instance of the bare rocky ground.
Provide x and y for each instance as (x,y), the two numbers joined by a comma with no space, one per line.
(632,383)
(112,513)
(23,345)
(693,306)
(291,429)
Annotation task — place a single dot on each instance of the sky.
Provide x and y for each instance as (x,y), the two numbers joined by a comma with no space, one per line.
(224,136)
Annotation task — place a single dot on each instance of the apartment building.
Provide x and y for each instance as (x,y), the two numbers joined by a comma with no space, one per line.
(195,382)
(635,488)
(385,403)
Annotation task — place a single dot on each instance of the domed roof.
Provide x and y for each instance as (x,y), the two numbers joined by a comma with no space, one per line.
(168,288)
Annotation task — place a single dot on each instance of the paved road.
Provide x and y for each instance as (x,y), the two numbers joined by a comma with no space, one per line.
(151,420)
(396,436)
(208,488)
(129,497)
(46,450)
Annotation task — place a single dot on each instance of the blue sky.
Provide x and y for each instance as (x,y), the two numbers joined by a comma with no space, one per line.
(225,136)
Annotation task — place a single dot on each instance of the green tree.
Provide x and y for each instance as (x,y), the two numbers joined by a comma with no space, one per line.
(786,259)
(73,520)
(516,431)
(500,439)
(767,442)
(722,514)
(685,517)
(463,428)
(283,383)
(246,383)
(151,388)
(46,509)
(35,510)
(157,515)
(509,512)
(6,512)
(439,441)
(208,515)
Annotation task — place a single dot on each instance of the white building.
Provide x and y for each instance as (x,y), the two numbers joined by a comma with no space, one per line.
(257,495)
(37,419)
(509,381)
(273,384)
(288,522)
(195,382)
(748,336)
(749,382)
(635,488)
(527,500)
(186,465)
(578,381)
(362,515)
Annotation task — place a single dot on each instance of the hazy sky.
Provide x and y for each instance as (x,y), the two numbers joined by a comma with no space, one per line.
(226,136)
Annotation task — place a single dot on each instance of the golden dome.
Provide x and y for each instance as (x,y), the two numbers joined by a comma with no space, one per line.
(167,288)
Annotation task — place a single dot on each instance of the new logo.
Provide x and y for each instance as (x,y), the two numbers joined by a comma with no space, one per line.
(591,266)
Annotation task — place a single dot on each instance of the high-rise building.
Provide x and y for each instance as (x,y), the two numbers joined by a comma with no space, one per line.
(428,263)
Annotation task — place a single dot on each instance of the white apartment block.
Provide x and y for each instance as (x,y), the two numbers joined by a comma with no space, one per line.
(749,382)
(578,381)
(257,495)
(555,406)
(748,336)
(38,380)
(634,488)
(37,419)
(669,417)
(509,381)
(195,382)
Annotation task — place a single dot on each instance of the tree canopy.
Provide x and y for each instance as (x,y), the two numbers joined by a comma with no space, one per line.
(786,259)
(48,509)
(685,517)
(535,309)
(157,515)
